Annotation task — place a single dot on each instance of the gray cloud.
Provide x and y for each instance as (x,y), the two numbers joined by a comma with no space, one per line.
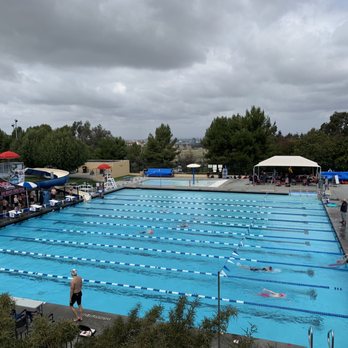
(131,65)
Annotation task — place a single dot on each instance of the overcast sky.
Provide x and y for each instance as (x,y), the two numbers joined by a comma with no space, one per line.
(131,65)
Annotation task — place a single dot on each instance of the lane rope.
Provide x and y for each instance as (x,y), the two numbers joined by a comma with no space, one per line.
(171,292)
(165,251)
(194,231)
(142,235)
(161,268)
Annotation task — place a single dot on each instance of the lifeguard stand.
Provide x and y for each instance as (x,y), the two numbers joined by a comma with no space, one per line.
(110,183)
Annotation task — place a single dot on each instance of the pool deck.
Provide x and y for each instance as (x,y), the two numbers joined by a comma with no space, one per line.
(99,320)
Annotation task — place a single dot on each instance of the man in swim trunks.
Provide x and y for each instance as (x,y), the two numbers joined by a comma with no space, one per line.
(76,294)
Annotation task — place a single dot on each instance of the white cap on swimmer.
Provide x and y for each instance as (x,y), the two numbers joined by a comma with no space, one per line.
(73,272)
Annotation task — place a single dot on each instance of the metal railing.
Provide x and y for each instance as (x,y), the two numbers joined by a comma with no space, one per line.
(310,337)
(331,339)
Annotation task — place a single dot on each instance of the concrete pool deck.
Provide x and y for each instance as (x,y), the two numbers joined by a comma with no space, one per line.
(100,320)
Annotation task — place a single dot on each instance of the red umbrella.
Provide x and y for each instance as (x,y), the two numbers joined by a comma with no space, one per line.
(104,166)
(9,155)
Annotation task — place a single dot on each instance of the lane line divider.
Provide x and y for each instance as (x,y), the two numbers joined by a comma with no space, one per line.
(193,200)
(194,231)
(167,251)
(171,292)
(195,241)
(120,263)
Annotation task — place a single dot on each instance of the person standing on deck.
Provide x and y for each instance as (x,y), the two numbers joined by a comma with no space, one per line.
(76,294)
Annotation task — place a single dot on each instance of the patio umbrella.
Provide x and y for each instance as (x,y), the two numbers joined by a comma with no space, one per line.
(104,166)
(193,166)
(9,155)
(28,185)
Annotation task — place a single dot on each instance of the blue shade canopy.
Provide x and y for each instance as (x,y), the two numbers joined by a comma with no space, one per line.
(28,185)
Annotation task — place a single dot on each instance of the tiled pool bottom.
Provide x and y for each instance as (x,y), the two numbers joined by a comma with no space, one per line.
(150,246)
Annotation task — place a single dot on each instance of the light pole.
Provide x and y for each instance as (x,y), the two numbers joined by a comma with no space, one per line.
(222,273)
(219,312)
(14,126)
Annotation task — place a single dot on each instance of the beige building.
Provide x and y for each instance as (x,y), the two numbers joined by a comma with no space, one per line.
(117,168)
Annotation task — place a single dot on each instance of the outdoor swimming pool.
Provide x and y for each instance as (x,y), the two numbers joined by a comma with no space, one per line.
(195,235)
(183,182)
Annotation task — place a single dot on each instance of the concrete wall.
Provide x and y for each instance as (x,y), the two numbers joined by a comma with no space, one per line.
(118,168)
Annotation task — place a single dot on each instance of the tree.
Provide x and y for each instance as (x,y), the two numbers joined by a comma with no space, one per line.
(185,158)
(32,146)
(240,141)
(41,146)
(111,148)
(329,151)
(5,141)
(338,124)
(90,136)
(284,145)
(64,151)
(160,150)
(135,157)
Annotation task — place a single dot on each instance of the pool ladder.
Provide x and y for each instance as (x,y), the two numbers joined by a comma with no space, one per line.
(330,338)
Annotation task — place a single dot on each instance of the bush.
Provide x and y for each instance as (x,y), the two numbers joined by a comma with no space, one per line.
(152,332)
(7,324)
(46,334)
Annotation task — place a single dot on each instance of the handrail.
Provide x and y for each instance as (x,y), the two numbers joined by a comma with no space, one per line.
(331,337)
(310,337)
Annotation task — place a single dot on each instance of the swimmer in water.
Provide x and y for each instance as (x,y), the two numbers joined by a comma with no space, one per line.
(148,231)
(309,272)
(184,225)
(343,260)
(312,294)
(270,293)
(263,269)
(340,262)
(257,269)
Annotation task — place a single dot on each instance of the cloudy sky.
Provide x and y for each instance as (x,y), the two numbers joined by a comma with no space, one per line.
(131,65)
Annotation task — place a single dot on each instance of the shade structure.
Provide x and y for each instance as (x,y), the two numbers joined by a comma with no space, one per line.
(28,185)
(9,155)
(193,166)
(104,166)
(287,161)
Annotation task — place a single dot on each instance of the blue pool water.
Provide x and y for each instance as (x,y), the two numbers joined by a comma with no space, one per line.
(195,235)
(183,182)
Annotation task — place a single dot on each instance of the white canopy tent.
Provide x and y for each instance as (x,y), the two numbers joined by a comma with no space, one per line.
(287,161)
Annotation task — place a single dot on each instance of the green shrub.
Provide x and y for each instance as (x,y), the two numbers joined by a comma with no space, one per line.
(152,331)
